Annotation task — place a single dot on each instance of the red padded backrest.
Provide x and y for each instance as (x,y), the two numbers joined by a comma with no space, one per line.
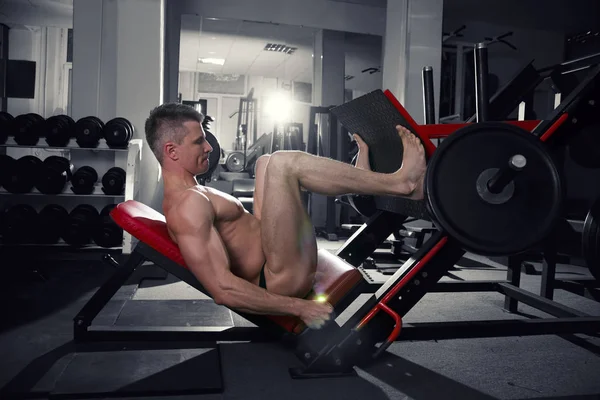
(148,226)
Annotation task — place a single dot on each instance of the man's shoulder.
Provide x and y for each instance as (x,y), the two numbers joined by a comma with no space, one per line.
(190,205)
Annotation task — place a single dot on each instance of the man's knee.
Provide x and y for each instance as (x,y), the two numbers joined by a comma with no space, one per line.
(283,161)
(261,164)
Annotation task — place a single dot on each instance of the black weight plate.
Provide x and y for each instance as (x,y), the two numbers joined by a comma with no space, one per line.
(82,221)
(117,133)
(52,221)
(113,181)
(20,222)
(88,132)
(108,233)
(6,165)
(21,177)
(481,227)
(127,123)
(54,174)
(28,128)
(235,162)
(59,130)
(591,240)
(584,146)
(84,180)
(213,157)
(6,127)
(70,121)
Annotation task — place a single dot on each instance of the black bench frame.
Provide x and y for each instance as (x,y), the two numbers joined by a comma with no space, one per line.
(265,330)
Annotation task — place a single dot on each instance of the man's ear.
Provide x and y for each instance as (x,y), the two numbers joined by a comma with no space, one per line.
(171,151)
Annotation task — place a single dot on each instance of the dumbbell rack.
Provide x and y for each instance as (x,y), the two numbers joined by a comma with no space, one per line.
(101,158)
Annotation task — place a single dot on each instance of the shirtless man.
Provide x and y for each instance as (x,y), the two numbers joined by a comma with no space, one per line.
(263,263)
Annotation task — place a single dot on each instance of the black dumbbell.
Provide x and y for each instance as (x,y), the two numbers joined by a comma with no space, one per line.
(6,164)
(6,126)
(84,180)
(88,132)
(113,181)
(118,132)
(108,233)
(59,130)
(53,175)
(20,224)
(28,128)
(22,175)
(81,224)
(52,221)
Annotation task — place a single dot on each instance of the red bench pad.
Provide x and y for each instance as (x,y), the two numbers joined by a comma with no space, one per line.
(334,276)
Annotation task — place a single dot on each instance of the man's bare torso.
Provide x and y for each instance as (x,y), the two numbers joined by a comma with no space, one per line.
(238,229)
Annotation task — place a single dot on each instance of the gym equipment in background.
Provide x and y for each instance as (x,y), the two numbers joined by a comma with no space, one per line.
(21,176)
(28,128)
(113,181)
(6,126)
(323,123)
(118,132)
(6,162)
(591,240)
(18,222)
(107,233)
(89,131)
(234,162)
(53,175)
(81,225)
(59,130)
(247,122)
(290,138)
(52,221)
(84,180)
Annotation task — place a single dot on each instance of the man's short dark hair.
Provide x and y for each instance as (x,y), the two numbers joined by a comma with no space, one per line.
(165,124)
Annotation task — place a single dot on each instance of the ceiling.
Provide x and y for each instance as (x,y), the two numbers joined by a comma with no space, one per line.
(242,45)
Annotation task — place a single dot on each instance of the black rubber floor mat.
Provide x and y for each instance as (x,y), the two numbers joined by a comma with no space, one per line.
(174,313)
(141,373)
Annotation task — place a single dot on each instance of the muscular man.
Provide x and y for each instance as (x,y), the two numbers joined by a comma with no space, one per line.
(263,263)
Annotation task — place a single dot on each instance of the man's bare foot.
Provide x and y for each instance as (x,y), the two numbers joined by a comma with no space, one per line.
(362,160)
(413,163)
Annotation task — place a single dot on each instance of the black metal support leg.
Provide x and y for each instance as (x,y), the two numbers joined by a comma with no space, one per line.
(549,270)
(103,295)
(514,277)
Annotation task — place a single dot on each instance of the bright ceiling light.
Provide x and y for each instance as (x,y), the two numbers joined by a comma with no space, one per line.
(279,107)
(215,61)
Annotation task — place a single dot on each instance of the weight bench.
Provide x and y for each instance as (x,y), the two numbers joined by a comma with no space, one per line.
(339,282)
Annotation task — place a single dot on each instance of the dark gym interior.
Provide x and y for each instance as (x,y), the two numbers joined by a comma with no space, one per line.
(487,287)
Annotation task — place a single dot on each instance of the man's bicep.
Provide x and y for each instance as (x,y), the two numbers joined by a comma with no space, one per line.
(205,256)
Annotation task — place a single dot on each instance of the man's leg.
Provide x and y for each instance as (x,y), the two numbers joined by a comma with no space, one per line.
(260,170)
(287,234)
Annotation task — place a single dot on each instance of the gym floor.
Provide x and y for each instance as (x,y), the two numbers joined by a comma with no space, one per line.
(37,319)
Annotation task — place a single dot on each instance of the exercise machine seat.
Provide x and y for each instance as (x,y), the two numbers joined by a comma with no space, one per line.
(334,277)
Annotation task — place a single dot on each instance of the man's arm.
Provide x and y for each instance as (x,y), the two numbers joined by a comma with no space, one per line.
(205,255)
